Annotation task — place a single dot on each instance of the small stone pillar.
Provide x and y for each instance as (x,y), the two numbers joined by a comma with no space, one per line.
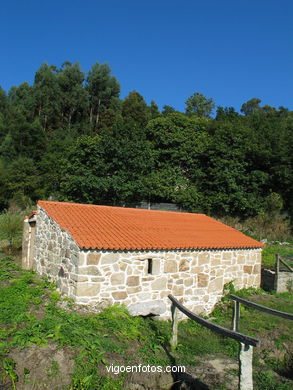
(245,367)
(28,241)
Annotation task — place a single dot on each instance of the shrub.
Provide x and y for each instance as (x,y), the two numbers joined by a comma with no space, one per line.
(11,229)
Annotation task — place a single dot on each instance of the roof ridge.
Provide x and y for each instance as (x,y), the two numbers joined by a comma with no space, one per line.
(119,207)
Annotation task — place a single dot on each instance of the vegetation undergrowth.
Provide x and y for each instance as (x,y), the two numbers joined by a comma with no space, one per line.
(34,315)
(270,251)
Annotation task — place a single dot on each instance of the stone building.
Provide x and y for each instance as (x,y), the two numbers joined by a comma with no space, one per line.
(102,255)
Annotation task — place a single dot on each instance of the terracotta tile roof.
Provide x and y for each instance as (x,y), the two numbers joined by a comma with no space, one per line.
(119,228)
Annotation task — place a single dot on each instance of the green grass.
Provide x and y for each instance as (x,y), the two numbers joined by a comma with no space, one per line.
(30,315)
(270,251)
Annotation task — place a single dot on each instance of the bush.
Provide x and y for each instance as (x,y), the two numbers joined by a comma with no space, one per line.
(264,225)
(267,226)
(11,230)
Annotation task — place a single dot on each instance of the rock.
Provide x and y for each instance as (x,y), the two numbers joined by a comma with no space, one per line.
(155,307)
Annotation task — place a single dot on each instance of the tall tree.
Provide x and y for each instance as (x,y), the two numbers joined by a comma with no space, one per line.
(135,109)
(154,110)
(48,96)
(73,97)
(251,106)
(199,105)
(102,88)
(23,100)
(168,110)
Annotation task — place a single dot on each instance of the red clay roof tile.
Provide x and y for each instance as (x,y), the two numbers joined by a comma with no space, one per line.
(119,228)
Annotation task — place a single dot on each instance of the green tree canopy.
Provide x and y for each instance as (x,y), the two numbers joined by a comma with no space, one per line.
(199,105)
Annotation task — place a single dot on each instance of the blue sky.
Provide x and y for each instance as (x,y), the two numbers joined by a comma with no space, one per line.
(229,50)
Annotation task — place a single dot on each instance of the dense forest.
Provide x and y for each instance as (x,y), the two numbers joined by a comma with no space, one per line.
(70,136)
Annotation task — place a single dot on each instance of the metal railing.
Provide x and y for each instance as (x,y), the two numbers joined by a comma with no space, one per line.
(246,343)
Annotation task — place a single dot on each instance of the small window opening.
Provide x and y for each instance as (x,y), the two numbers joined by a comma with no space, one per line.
(150,266)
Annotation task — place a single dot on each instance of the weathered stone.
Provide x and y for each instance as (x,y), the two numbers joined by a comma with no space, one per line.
(184,265)
(177,290)
(144,296)
(170,256)
(219,272)
(98,279)
(215,261)
(73,247)
(245,367)
(89,270)
(198,309)
(132,281)
(87,289)
(206,298)
(109,258)
(216,285)
(159,284)
(67,253)
(123,266)
(148,278)
(80,259)
(155,307)
(188,282)
(132,290)
(240,259)
(156,266)
(128,270)
(117,278)
(170,266)
(164,294)
(202,280)
(93,258)
(116,267)
(232,268)
(248,269)
(119,295)
(203,258)
(227,255)
(197,270)
(79,278)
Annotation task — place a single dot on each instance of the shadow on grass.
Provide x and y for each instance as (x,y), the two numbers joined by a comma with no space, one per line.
(181,380)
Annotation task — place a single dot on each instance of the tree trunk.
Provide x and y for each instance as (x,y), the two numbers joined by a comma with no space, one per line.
(98,113)
(91,115)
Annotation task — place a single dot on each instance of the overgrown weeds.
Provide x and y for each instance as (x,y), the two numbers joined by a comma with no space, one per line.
(115,337)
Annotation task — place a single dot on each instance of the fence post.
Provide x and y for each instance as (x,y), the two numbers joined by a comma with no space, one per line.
(236,316)
(175,312)
(277,269)
(245,367)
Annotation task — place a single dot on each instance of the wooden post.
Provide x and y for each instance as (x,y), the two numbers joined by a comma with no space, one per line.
(277,269)
(245,367)
(175,313)
(236,316)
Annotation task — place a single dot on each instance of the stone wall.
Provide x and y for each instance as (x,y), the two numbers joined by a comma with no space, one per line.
(102,278)
(56,254)
(283,281)
(196,278)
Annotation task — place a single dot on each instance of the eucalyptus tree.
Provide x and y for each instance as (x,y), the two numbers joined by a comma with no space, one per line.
(73,104)
(48,96)
(102,89)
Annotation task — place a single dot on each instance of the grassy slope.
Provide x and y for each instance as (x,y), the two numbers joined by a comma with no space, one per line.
(30,314)
(270,251)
